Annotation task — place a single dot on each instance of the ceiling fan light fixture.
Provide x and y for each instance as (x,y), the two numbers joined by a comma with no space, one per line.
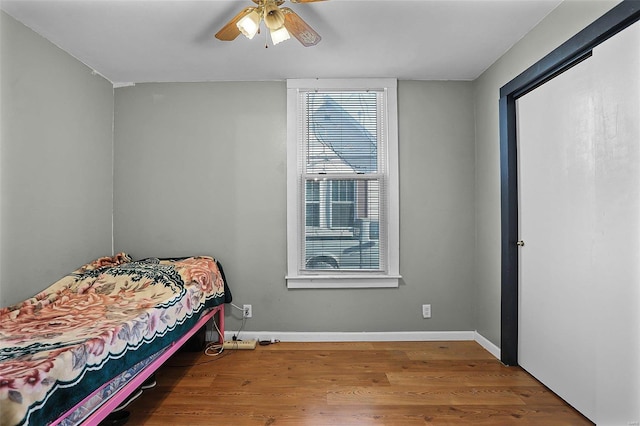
(249,24)
(282,23)
(279,35)
(273,16)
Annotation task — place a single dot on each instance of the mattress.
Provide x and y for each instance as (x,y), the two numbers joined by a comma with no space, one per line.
(94,324)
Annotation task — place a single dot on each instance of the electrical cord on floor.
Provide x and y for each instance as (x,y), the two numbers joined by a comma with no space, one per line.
(212,349)
(215,348)
(268,342)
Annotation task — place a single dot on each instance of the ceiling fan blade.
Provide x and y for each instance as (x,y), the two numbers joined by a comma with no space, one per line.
(300,29)
(230,31)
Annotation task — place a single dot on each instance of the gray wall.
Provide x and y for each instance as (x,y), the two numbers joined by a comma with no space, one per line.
(200,169)
(55,163)
(564,22)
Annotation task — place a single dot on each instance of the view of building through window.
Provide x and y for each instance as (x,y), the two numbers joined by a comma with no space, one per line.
(342,181)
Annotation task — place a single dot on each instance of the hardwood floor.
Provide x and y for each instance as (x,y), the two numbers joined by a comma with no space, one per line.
(362,383)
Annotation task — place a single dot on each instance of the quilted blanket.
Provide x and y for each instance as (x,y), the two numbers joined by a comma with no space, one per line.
(61,345)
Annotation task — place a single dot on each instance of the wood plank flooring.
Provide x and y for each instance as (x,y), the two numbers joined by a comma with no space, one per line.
(362,383)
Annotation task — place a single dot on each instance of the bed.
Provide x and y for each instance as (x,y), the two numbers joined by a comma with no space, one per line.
(75,351)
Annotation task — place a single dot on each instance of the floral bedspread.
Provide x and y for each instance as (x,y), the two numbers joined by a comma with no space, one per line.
(61,345)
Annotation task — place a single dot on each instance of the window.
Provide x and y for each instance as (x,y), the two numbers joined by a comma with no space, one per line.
(342,183)
(312,198)
(342,204)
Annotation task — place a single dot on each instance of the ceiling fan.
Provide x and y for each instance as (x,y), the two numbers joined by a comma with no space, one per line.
(282,22)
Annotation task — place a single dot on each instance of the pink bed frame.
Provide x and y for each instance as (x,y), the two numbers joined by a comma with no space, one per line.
(112,403)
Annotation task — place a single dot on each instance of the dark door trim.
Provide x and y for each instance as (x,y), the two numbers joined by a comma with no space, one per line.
(570,53)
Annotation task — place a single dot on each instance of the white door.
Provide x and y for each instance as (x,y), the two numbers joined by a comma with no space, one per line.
(579,218)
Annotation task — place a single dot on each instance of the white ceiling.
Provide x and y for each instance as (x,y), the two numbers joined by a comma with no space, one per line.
(132,41)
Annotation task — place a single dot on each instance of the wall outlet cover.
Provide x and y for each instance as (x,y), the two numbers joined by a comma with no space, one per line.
(426,311)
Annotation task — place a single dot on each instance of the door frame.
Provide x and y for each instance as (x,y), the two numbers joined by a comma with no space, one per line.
(570,53)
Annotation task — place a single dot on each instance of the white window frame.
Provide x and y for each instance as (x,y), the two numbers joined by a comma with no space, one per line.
(295,219)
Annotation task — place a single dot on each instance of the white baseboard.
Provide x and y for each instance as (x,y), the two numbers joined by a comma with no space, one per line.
(385,336)
(388,336)
(485,343)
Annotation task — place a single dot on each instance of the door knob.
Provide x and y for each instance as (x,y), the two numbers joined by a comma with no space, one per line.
(520,243)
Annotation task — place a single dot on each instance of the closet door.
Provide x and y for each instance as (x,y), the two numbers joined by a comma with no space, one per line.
(579,217)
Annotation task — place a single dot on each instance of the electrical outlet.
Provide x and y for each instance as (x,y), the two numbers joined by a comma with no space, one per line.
(426,311)
(247,311)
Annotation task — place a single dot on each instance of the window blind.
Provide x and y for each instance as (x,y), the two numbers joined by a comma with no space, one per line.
(342,181)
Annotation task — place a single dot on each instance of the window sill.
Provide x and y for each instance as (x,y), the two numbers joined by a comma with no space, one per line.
(342,281)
